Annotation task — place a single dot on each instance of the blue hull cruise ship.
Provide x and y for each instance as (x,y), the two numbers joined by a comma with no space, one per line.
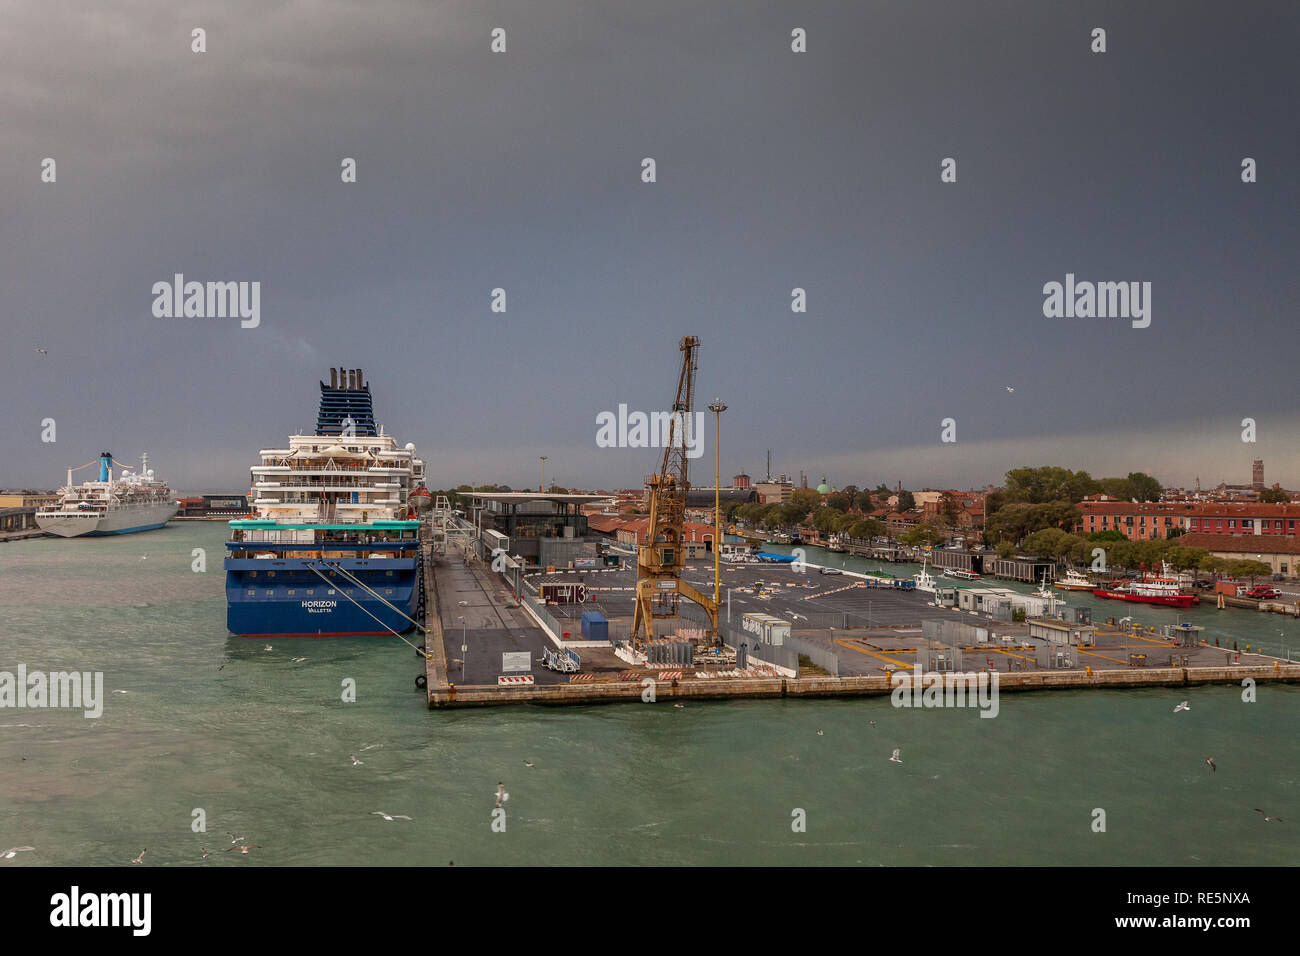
(332,547)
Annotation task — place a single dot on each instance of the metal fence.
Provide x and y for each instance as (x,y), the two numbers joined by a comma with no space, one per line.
(819,654)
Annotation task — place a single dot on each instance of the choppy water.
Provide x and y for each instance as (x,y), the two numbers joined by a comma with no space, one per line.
(264,747)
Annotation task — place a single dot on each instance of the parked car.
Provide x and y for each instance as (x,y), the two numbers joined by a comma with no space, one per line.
(829,571)
(1204,583)
(1261,593)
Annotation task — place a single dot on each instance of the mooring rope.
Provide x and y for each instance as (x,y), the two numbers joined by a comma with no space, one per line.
(419,650)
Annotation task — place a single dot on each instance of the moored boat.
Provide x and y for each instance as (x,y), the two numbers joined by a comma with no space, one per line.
(1074,581)
(1162,589)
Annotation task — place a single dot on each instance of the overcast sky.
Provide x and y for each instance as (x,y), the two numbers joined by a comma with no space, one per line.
(775,169)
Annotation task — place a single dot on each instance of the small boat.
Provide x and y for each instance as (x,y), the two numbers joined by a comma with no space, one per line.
(923,580)
(961,575)
(1074,581)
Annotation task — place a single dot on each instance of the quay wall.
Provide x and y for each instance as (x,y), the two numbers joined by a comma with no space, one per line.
(819,687)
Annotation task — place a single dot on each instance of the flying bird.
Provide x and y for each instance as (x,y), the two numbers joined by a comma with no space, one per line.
(1009,388)
(897,756)
(243,848)
(267,648)
(205,853)
(528,763)
(1267,818)
(356,762)
(234,839)
(140,858)
(502,796)
(821,733)
(42,351)
(1183,706)
(1210,761)
(872,723)
(299,660)
(389,817)
(13,851)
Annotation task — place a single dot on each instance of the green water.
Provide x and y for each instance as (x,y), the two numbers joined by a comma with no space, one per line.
(264,747)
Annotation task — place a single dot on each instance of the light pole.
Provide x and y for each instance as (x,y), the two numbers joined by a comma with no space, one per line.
(718,407)
(542,489)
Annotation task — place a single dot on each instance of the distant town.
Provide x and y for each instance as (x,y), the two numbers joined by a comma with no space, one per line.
(1049,512)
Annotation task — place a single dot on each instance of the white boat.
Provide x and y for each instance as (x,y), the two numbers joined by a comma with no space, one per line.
(1074,581)
(924,579)
(133,501)
(961,575)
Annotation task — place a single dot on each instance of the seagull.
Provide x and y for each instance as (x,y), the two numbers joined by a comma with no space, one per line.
(205,853)
(222,667)
(243,848)
(821,733)
(502,796)
(897,756)
(872,723)
(528,763)
(121,692)
(267,648)
(1267,818)
(140,858)
(1210,761)
(299,660)
(1183,706)
(1009,388)
(679,706)
(234,839)
(42,351)
(144,557)
(389,817)
(13,851)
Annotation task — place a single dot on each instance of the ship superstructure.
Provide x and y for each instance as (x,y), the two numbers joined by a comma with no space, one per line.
(332,545)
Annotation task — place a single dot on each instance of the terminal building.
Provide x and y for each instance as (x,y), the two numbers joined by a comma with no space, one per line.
(543,529)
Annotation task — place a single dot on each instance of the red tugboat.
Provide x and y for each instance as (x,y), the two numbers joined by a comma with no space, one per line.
(1151,589)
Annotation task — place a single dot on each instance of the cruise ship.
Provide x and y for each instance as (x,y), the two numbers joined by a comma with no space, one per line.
(132,501)
(332,547)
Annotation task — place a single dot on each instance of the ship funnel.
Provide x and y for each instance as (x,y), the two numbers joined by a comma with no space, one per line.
(334,377)
(361,379)
(105,460)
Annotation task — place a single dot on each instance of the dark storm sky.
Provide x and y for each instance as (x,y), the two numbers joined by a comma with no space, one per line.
(775,170)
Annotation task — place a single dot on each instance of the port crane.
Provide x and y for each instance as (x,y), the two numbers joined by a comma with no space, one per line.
(659,586)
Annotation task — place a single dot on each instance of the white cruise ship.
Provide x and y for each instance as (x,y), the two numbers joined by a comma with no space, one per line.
(133,501)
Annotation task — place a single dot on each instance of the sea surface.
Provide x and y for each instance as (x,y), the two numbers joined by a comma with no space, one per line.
(263,747)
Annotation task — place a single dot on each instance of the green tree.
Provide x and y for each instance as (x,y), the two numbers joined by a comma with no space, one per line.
(906,501)
(1145,488)
(949,510)
(840,501)
(1274,496)
(1006,549)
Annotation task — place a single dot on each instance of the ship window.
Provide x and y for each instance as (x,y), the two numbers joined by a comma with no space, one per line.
(252,593)
(329,591)
(388,590)
(269,592)
(311,591)
(291,592)
(389,573)
(252,574)
(270,574)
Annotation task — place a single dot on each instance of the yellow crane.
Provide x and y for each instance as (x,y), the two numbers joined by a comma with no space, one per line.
(659,586)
